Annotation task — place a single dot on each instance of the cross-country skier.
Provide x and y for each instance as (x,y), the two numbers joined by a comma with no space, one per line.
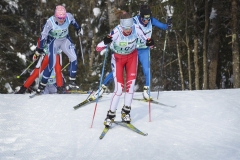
(41,65)
(123,42)
(55,33)
(146,22)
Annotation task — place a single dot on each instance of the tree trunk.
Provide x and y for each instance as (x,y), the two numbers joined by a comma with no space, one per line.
(195,41)
(179,61)
(235,46)
(111,16)
(188,49)
(205,42)
(214,47)
(92,4)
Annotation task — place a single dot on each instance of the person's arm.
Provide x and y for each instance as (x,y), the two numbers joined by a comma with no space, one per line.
(141,35)
(79,30)
(73,21)
(108,39)
(44,34)
(159,24)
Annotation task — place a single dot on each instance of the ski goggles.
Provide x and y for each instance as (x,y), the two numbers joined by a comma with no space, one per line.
(146,19)
(126,28)
(61,18)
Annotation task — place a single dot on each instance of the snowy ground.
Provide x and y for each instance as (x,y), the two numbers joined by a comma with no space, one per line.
(205,125)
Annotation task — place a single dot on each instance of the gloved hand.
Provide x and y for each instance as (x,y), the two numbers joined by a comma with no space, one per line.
(169,23)
(40,51)
(35,56)
(149,42)
(107,39)
(79,32)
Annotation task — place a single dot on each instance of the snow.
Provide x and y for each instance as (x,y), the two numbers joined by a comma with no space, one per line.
(213,13)
(22,56)
(203,125)
(96,12)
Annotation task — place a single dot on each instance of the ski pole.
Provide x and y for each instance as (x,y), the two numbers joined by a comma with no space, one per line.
(149,104)
(80,42)
(104,62)
(26,69)
(65,66)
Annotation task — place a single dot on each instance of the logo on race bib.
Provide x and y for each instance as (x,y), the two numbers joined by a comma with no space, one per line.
(122,44)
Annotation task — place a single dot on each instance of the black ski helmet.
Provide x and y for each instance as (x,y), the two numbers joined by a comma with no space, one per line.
(145,11)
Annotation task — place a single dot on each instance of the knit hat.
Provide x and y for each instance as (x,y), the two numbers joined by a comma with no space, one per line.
(145,12)
(60,12)
(126,22)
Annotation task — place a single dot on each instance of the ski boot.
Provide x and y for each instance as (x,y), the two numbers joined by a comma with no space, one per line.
(41,88)
(146,93)
(110,118)
(72,85)
(126,114)
(99,93)
(22,90)
(61,90)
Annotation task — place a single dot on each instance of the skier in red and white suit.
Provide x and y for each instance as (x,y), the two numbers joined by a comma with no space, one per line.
(122,42)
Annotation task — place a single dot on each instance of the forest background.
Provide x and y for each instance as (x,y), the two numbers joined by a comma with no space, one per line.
(201,51)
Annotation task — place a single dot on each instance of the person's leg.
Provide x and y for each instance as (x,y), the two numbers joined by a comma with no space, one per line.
(100,91)
(69,49)
(41,65)
(58,70)
(143,56)
(117,68)
(108,79)
(131,74)
(48,70)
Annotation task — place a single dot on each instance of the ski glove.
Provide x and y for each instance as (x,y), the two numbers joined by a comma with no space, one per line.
(107,39)
(40,51)
(169,23)
(35,56)
(149,42)
(79,32)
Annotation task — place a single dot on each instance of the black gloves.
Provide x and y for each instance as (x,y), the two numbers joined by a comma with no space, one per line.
(169,23)
(107,39)
(40,51)
(79,32)
(149,42)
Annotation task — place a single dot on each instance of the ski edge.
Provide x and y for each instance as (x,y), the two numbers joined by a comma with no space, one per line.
(131,127)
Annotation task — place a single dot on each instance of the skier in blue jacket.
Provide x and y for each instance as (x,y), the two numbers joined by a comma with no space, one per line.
(146,22)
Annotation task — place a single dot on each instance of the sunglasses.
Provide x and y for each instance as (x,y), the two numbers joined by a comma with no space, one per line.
(61,18)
